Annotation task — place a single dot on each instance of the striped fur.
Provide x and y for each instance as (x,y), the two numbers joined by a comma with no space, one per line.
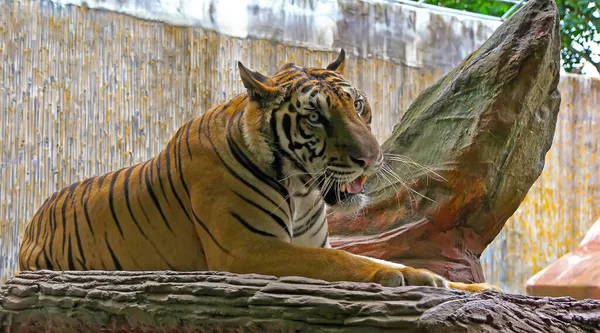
(243,188)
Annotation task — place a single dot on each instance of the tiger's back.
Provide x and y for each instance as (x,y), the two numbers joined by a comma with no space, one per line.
(135,218)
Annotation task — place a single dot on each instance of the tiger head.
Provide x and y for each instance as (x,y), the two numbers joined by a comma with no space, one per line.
(312,124)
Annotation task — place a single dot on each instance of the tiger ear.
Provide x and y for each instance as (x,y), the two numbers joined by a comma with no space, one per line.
(256,83)
(339,64)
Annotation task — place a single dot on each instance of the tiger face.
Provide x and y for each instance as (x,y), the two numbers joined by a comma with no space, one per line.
(320,132)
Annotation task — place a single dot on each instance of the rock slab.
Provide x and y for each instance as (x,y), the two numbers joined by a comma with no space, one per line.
(99,301)
(483,130)
(576,274)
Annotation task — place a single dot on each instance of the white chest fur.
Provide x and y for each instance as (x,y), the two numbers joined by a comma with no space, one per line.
(309,216)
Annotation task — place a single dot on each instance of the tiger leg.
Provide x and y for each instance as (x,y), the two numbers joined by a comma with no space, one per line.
(471,287)
(255,253)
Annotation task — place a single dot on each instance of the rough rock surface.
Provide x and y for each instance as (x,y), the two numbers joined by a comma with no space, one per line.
(484,128)
(46,301)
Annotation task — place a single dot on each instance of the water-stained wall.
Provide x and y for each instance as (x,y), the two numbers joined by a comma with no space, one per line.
(83,92)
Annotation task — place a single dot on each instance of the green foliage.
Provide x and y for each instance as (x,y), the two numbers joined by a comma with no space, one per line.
(580,26)
(487,7)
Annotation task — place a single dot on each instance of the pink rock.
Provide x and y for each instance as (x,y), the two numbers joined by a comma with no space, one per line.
(576,274)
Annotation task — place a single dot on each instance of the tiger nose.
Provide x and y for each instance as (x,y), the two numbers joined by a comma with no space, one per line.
(364,161)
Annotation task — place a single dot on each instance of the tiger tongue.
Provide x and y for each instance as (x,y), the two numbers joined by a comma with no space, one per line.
(356,185)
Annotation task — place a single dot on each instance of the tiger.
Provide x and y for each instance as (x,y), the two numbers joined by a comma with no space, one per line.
(243,188)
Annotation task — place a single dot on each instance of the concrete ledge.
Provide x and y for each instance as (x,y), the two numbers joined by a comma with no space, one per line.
(98,301)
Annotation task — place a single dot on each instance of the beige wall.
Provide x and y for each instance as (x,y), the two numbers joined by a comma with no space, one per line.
(85,92)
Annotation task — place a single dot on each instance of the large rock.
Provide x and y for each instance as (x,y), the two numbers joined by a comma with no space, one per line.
(576,274)
(485,128)
(95,301)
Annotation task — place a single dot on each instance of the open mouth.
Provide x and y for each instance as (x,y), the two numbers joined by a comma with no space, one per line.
(345,191)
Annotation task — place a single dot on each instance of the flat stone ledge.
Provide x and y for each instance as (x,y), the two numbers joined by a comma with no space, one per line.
(165,301)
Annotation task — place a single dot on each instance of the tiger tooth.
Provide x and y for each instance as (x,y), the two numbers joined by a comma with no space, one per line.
(343,188)
(363,179)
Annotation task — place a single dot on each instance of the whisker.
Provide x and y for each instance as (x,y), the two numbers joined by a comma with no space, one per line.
(391,173)
(291,192)
(407,161)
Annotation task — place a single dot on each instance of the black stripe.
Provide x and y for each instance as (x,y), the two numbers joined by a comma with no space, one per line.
(286,122)
(142,168)
(321,152)
(52,230)
(208,232)
(128,203)
(102,264)
(101,179)
(300,82)
(112,254)
(77,236)
(200,129)
(37,258)
(173,146)
(239,155)
(158,174)
(277,150)
(323,222)
(154,198)
(249,227)
(277,164)
(84,203)
(303,134)
(63,212)
(70,262)
(277,219)
(338,93)
(304,85)
(180,169)
(46,259)
(111,200)
(187,138)
(82,264)
(33,239)
(52,197)
(340,173)
(308,212)
(324,242)
(306,88)
(235,174)
(311,222)
(32,244)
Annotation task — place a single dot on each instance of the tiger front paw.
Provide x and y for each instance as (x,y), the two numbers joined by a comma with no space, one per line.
(409,276)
